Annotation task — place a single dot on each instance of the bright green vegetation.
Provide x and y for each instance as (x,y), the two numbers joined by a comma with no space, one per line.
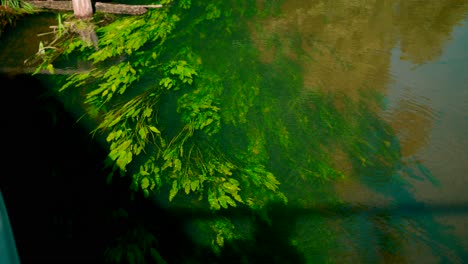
(18,5)
(154,66)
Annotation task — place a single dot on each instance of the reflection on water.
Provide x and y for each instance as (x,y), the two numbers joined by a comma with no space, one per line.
(347,49)
(22,41)
(413,120)
(359,108)
(439,90)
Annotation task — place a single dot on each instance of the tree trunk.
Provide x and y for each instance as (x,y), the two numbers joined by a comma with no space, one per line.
(82,8)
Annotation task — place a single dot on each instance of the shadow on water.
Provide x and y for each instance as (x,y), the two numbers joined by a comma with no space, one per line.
(51,176)
(22,41)
(406,219)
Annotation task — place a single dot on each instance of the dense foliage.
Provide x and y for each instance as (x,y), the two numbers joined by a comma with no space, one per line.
(150,64)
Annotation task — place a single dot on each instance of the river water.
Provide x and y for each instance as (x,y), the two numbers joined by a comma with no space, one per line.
(409,60)
(383,88)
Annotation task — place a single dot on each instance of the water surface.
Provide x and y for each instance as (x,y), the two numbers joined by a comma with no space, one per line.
(359,108)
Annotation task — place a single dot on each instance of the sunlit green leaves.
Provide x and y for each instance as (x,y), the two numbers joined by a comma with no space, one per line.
(131,128)
(147,178)
(75,45)
(200,107)
(154,129)
(213,200)
(194,185)
(187,158)
(166,83)
(174,190)
(232,187)
(178,69)
(77,80)
(117,79)
(145,183)
(128,35)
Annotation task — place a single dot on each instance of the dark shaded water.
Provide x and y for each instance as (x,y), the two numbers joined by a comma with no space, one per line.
(383,85)
(51,183)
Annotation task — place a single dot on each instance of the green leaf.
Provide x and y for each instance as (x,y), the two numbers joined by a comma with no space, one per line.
(118,134)
(142,133)
(220,240)
(166,82)
(231,188)
(124,159)
(145,183)
(173,191)
(177,165)
(147,112)
(208,121)
(154,129)
(50,68)
(237,197)
(214,204)
(187,187)
(115,121)
(230,201)
(130,112)
(222,201)
(111,136)
(125,144)
(194,185)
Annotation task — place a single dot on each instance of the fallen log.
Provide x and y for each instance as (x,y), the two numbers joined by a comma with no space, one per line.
(124,9)
(121,9)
